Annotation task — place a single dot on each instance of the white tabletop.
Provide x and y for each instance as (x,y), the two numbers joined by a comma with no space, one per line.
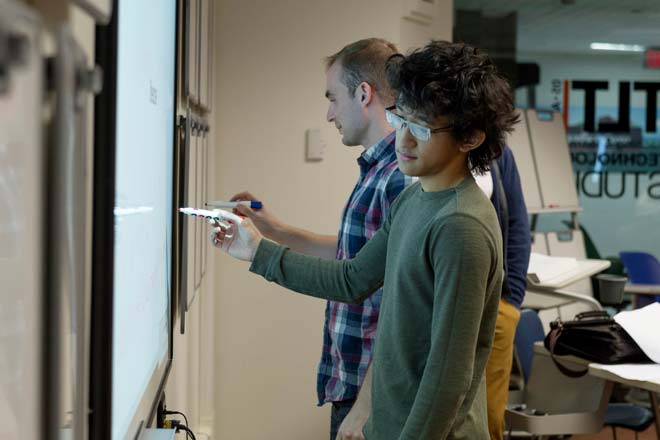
(642,289)
(647,384)
(584,269)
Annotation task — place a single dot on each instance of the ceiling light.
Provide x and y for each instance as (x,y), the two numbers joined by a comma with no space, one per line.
(618,47)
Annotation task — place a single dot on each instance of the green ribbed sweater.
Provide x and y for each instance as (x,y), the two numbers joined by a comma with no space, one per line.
(438,258)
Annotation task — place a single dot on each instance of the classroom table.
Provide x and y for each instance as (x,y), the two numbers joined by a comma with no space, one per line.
(652,386)
(641,289)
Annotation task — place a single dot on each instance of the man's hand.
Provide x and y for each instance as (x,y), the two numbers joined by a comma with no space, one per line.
(351,427)
(239,239)
(266,222)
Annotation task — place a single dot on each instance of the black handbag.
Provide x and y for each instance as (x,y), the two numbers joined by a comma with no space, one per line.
(594,336)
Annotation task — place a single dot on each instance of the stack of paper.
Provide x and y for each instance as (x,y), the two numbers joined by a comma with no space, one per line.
(544,269)
(643,325)
(641,372)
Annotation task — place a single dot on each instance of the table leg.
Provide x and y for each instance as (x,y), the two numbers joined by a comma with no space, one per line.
(656,412)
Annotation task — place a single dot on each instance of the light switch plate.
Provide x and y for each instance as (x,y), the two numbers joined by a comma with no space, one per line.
(315,145)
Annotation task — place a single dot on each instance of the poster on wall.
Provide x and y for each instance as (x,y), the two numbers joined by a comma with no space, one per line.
(613,131)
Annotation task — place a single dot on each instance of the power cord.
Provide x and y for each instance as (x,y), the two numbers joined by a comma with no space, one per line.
(178,426)
(169,413)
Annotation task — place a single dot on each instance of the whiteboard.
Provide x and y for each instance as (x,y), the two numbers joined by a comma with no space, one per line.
(21,238)
(141,210)
(553,160)
(521,147)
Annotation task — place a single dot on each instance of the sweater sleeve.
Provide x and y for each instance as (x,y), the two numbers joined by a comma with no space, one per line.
(349,281)
(518,237)
(468,274)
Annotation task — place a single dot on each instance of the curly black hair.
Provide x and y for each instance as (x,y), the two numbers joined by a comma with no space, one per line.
(461,83)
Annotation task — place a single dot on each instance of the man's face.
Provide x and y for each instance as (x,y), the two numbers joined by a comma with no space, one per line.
(344,109)
(425,159)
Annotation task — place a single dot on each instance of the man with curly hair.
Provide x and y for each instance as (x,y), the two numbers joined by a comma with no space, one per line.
(438,255)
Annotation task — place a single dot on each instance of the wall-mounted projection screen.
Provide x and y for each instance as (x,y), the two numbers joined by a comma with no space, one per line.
(141,134)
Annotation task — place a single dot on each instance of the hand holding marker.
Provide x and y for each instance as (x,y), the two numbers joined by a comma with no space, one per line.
(251,203)
(217,215)
(240,238)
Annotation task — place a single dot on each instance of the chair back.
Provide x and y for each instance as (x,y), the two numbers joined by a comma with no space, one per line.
(642,268)
(528,331)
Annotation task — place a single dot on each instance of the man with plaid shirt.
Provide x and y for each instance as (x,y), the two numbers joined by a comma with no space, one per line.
(358,94)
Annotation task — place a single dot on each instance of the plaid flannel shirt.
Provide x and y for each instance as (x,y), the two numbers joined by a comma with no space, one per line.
(350,330)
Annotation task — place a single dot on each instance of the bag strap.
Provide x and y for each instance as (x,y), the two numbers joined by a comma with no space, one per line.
(592,314)
(498,187)
(553,338)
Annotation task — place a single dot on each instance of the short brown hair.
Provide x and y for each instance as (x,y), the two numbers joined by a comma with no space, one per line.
(365,61)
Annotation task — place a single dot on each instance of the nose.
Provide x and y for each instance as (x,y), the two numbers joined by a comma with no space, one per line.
(407,139)
(330,115)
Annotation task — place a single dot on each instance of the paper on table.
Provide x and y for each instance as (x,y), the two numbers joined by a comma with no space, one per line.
(543,268)
(642,372)
(643,325)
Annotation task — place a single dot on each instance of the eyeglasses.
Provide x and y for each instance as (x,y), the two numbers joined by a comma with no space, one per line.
(419,132)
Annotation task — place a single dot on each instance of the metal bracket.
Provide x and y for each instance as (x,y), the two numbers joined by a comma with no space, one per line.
(14,52)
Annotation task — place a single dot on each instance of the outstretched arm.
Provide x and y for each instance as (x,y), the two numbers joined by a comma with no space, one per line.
(347,281)
(297,239)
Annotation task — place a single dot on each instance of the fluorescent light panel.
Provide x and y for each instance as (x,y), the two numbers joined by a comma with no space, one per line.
(618,47)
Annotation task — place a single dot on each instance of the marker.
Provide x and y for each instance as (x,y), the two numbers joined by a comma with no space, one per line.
(216,215)
(251,204)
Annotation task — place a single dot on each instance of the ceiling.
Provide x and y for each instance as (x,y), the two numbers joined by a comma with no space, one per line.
(552,26)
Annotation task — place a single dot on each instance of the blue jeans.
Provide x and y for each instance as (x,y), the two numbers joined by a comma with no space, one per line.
(339,412)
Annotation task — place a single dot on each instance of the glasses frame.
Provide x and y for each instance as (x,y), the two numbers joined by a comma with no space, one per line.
(418,131)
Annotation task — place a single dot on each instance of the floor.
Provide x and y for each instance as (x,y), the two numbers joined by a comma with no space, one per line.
(621,434)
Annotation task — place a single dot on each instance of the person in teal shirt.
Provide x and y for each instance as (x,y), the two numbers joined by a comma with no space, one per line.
(438,255)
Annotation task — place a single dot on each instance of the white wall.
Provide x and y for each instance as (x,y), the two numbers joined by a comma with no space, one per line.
(269,89)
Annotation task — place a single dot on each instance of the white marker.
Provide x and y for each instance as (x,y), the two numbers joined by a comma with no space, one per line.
(251,204)
(216,215)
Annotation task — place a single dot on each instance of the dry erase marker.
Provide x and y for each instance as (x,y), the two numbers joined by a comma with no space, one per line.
(215,215)
(251,204)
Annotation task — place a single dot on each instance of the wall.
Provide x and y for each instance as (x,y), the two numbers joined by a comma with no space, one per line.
(269,89)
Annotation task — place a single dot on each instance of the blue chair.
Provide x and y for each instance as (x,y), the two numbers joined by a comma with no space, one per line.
(617,415)
(642,268)
(628,416)
(528,331)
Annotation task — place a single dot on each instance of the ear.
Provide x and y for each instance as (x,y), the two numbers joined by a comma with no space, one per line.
(472,141)
(365,93)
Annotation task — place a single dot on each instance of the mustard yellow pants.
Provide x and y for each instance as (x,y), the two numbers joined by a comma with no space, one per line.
(498,368)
